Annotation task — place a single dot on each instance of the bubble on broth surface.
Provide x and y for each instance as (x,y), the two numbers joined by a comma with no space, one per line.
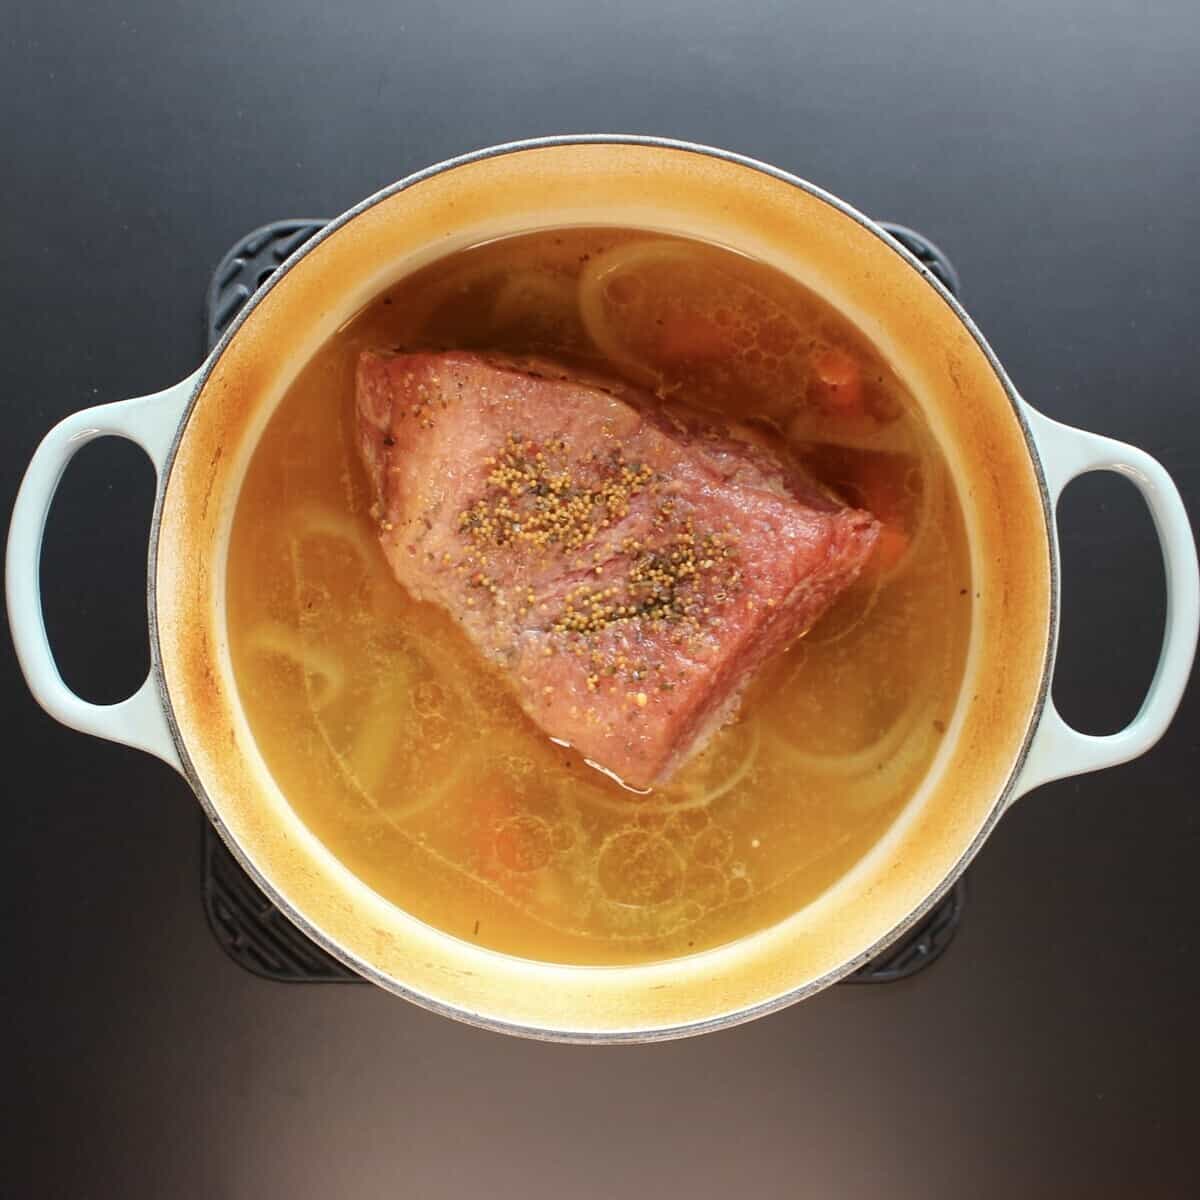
(436,731)
(640,869)
(429,698)
(524,843)
(713,846)
(706,886)
(562,838)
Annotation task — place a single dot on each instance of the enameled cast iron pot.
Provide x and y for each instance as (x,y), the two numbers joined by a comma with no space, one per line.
(1010,463)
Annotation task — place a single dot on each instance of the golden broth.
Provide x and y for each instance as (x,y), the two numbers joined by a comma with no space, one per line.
(405,753)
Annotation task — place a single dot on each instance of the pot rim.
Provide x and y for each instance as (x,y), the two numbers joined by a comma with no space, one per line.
(630,1035)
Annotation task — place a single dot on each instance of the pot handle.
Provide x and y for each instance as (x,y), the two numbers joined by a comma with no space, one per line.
(1058,751)
(151,422)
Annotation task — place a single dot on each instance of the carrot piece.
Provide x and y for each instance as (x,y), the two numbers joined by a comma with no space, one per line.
(490,808)
(690,336)
(504,847)
(880,488)
(890,549)
(840,379)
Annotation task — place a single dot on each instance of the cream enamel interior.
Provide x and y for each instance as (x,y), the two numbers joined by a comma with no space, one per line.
(683,191)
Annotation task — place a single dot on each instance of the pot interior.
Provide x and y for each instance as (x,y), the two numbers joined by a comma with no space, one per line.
(676,190)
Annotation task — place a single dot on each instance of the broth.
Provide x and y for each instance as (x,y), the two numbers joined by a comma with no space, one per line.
(405,753)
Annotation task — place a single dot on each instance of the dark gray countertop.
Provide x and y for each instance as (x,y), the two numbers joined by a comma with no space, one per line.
(1051,147)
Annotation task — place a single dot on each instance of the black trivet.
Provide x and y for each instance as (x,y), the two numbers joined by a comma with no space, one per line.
(251,930)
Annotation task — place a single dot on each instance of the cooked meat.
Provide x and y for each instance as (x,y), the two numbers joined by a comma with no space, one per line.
(627,563)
